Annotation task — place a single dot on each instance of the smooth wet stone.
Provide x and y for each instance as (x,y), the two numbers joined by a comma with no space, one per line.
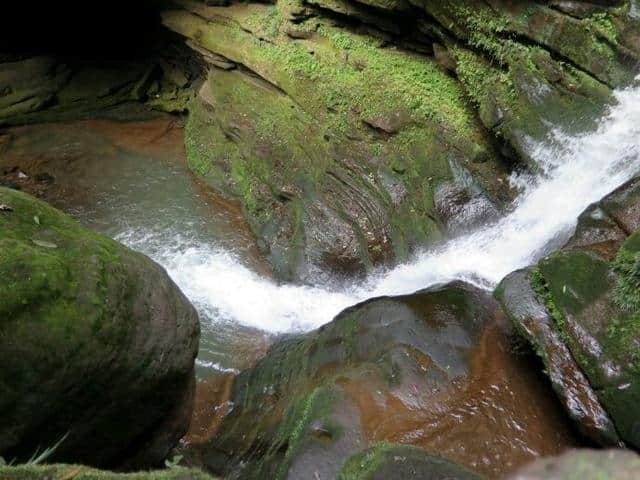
(583,465)
(534,322)
(462,210)
(434,369)
(97,344)
(401,462)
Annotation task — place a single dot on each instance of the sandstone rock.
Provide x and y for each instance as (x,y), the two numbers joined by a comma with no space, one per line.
(584,317)
(434,369)
(96,342)
(294,118)
(463,210)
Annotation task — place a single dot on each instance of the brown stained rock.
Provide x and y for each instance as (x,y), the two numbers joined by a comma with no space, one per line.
(391,122)
(570,384)
(435,369)
(581,324)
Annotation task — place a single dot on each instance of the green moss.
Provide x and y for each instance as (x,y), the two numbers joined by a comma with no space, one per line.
(294,430)
(366,463)
(72,298)
(352,67)
(81,472)
(627,290)
(541,287)
(399,462)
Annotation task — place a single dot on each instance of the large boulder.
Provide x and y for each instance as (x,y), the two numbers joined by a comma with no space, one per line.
(97,344)
(81,472)
(580,309)
(434,369)
(352,143)
(334,143)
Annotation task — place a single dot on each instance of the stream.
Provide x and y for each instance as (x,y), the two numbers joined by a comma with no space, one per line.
(130,181)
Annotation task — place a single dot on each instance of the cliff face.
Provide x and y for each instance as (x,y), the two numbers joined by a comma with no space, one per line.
(353,132)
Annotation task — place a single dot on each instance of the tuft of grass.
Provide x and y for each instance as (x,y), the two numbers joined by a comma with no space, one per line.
(627,291)
(38,456)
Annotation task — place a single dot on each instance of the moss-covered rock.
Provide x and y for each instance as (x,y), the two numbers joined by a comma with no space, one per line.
(588,296)
(412,369)
(334,142)
(97,343)
(583,465)
(399,462)
(81,472)
(524,64)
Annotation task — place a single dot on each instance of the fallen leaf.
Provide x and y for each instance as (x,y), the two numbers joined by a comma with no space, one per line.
(5,208)
(44,244)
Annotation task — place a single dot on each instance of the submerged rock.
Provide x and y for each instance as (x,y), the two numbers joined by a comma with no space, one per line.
(434,369)
(584,317)
(583,465)
(97,344)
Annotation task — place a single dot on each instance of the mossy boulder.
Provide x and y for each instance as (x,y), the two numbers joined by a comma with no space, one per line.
(81,472)
(97,343)
(413,369)
(334,141)
(399,462)
(587,297)
(583,465)
(337,136)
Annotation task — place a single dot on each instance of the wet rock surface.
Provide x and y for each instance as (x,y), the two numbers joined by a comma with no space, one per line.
(583,465)
(336,122)
(435,369)
(584,317)
(81,472)
(91,333)
(397,462)
(334,171)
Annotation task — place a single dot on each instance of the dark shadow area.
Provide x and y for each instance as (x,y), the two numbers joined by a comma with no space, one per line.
(92,30)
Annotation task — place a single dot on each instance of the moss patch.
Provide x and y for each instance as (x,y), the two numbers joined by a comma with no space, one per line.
(81,472)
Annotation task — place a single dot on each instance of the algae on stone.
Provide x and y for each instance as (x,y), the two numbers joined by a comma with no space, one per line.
(90,331)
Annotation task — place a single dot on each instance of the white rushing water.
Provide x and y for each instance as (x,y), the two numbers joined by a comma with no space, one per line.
(577,170)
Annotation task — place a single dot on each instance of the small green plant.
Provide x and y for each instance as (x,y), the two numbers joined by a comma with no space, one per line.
(627,265)
(174,462)
(38,457)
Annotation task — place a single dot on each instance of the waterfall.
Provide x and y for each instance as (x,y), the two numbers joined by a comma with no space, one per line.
(576,171)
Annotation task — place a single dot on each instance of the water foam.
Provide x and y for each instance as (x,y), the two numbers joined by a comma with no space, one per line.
(576,171)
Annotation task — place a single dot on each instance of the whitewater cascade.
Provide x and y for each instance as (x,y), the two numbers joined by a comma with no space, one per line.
(575,172)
